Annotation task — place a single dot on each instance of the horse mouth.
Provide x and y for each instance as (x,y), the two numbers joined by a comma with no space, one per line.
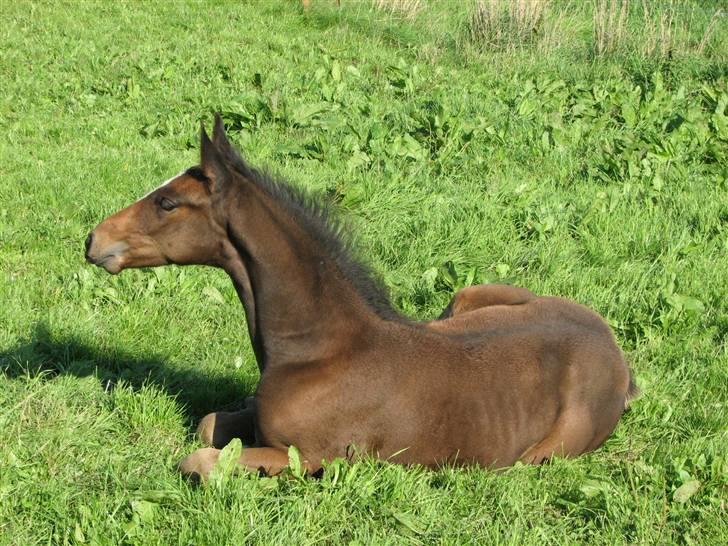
(109,262)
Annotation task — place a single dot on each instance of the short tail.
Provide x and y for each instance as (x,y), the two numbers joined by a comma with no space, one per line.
(633,390)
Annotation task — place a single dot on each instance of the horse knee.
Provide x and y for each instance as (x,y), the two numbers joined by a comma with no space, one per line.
(461,302)
(217,429)
(483,295)
(206,429)
(198,464)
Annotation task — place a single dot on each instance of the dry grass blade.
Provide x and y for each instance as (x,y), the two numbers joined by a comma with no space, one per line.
(610,25)
(660,36)
(502,24)
(709,30)
(405,8)
(660,30)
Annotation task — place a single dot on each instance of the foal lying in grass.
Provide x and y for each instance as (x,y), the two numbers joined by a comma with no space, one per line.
(502,376)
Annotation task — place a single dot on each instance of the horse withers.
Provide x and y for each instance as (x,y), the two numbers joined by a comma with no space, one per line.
(503,375)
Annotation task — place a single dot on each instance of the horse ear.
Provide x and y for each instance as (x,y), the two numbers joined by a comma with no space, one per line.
(211,160)
(219,138)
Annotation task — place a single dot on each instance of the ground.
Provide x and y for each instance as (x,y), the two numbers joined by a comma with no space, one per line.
(599,177)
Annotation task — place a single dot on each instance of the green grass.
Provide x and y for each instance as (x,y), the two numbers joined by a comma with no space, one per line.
(601,180)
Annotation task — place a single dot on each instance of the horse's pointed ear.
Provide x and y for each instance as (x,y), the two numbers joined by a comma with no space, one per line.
(211,160)
(218,135)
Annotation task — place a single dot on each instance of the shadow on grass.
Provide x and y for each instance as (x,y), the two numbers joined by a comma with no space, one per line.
(198,392)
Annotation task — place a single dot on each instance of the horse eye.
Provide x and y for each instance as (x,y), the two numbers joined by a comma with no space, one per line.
(167,204)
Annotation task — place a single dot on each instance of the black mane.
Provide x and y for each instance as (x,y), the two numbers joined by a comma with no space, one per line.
(317,217)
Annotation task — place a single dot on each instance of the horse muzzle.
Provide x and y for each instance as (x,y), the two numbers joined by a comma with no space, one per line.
(108,256)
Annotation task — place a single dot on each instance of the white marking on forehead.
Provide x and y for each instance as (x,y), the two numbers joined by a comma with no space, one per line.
(164,184)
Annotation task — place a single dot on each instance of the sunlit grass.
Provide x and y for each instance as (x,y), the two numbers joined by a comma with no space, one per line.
(602,180)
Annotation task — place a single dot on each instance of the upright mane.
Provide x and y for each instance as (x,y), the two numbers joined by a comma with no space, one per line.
(318,218)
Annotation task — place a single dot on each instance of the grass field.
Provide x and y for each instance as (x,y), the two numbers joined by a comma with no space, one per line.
(595,174)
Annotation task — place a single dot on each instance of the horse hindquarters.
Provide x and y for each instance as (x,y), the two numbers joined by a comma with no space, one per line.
(592,399)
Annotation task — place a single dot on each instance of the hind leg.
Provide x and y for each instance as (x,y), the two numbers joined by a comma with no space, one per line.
(592,390)
(578,429)
(483,295)
(217,429)
(572,435)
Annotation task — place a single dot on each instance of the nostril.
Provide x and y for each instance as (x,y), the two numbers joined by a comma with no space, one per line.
(88,242)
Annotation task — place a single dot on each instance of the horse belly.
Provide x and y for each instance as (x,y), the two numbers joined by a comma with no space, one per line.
(469,416)
(483,406)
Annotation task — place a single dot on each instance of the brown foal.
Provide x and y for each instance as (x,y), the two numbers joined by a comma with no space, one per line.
(504,375)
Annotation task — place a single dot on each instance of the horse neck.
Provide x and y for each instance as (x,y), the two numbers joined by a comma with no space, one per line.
(299,306)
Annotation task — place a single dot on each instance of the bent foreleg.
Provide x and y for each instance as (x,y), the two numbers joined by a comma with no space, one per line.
(483,295)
